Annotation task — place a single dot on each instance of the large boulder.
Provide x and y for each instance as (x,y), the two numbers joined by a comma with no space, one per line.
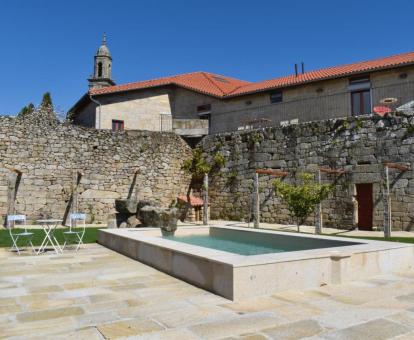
(121,220)
(141,204)
(128,206)
(163,218)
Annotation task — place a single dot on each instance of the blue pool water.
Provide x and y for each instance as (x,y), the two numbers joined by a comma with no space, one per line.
(224,244)
(245,242)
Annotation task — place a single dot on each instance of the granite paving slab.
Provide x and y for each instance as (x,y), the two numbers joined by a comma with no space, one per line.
(98,294)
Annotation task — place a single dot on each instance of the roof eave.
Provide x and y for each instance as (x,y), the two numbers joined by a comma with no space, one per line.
(156,86)
(318,80)
(79,103)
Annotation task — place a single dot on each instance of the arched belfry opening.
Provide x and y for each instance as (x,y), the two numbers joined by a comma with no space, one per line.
(102,75)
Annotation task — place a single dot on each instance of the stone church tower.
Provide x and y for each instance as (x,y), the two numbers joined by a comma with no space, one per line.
(102,68)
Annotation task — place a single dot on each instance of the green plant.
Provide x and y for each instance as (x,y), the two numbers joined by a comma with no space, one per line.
(231,178)
(26,110)
(410,129)
(47,101)
(197,165)
(358,123)
(302,199)
(218,160)
(254,138)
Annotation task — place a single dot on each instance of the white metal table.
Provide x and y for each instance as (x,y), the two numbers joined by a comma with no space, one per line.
(49,226)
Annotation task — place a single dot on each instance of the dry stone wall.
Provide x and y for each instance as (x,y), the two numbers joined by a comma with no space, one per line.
(361,146)
(50,155)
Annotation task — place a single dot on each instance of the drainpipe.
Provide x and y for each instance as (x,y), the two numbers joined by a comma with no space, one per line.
(99,111)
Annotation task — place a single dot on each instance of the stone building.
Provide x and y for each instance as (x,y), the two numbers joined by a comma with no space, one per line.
(201,103)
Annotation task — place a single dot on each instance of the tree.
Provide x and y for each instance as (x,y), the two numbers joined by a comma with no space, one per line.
(302,199)
(47,101)
(197,166)
(26,110)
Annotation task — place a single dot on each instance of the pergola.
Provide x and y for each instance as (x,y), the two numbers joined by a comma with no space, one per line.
(270,172)
(388,211)
(330,171)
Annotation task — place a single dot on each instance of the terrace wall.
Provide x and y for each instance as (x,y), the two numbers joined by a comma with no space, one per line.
(358,145)
(50,155)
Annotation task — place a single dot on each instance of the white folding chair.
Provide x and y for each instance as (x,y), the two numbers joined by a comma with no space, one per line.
(77,235)
(11,224)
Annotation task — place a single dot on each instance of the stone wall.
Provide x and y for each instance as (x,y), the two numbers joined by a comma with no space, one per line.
(359,145)
(50,156)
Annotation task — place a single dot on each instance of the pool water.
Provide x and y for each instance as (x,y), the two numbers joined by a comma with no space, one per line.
(232,246)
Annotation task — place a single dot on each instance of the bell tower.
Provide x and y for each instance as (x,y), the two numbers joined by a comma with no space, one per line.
(102,73)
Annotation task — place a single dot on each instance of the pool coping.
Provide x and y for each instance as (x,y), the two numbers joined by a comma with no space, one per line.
(239,276)
(237,260)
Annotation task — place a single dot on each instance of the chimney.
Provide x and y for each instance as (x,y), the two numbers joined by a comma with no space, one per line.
(303,67)
(296,70)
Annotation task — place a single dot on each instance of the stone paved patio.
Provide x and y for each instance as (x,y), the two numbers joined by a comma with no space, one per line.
(96,294)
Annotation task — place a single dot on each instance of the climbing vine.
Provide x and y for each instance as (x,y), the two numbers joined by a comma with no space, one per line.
(198,165)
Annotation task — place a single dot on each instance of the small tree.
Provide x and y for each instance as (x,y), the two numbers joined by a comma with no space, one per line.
(197,166)
(302,199)
(47,101)
(28,109)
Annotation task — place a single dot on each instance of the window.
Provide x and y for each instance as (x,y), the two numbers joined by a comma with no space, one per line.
(360,89)
(360,83)
(276,97)
(117,125)
(99,69)
(361,102)
(203,109)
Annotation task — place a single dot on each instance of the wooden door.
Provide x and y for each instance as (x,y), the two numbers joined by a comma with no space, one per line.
(365,205)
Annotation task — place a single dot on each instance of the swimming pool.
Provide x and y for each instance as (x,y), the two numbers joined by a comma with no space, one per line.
(238,263)
(248,243)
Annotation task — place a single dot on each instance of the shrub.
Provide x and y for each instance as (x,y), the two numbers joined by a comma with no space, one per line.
(302,199)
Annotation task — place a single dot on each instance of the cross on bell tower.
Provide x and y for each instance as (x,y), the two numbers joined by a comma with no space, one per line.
(102,74)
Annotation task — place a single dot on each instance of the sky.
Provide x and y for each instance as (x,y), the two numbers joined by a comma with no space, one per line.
(49,45)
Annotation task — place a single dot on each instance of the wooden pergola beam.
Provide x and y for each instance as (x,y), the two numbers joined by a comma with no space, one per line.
(401,167)
(276,173)
(332,171)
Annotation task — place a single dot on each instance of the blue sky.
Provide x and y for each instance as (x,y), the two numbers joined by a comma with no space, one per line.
(49,45)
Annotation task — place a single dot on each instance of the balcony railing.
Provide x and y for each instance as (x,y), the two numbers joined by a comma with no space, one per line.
(315,107)
(190,127)
(165,122)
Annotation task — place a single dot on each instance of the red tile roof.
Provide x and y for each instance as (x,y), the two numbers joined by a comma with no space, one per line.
(207,83)
(327,73)
(224,87)
(194,201)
